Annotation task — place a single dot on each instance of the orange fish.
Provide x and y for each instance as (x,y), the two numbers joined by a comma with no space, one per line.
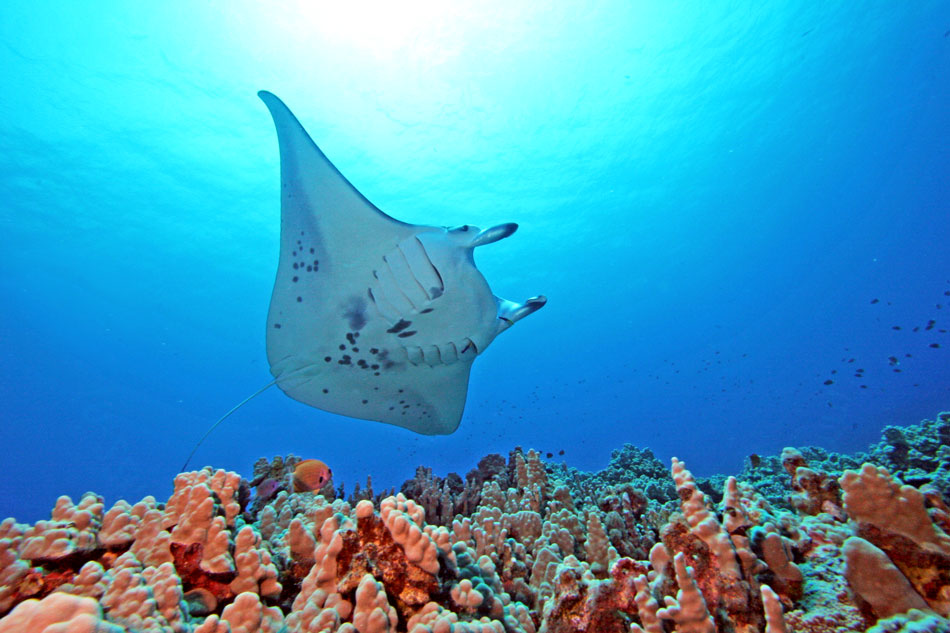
(311,475)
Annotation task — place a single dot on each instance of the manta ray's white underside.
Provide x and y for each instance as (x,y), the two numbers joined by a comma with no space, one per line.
(371,317)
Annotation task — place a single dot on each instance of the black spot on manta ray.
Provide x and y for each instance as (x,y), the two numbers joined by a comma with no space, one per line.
(299,299)
(295,278)
(383,358)
(277,326)
(401,325)
(406,334)
(426,311)
(355,313)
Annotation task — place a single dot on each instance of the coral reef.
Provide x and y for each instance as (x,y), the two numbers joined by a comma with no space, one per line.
(802,542)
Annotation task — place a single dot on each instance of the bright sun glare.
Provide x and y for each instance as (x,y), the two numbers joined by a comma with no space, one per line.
(379,28)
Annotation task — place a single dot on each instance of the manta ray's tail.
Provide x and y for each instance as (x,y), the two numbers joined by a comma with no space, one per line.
(283,376)
(223,418)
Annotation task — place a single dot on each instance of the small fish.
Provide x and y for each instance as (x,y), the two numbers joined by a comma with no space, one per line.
(892,359)
(267,488)
(310,475)
(873,301)
(829,382)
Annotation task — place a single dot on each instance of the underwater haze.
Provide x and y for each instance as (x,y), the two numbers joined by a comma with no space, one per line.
(739,213)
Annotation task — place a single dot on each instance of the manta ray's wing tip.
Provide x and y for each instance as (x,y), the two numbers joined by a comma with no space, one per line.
(269,98)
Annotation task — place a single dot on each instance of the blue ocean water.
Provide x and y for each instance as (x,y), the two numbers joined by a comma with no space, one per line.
(725,203)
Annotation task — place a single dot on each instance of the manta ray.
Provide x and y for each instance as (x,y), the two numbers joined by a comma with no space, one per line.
(371,317)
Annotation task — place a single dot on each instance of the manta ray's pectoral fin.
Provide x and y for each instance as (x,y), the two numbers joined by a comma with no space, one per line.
(509,312)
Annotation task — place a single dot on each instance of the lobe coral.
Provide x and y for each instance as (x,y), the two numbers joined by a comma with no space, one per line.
(803,542)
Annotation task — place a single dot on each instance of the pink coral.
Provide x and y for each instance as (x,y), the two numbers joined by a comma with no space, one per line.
(527,550)
(57,613)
